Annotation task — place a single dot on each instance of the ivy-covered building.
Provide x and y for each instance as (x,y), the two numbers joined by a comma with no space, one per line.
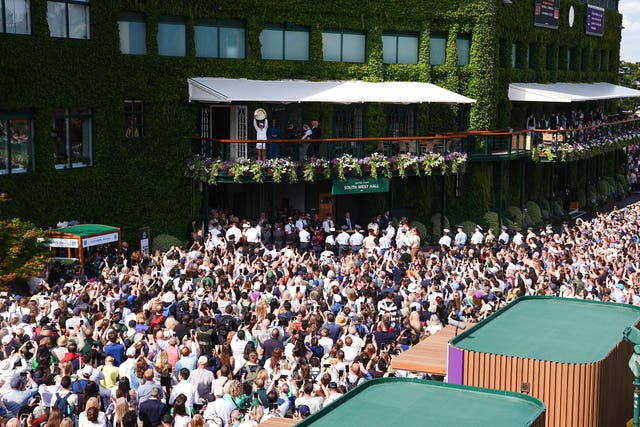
(97,123)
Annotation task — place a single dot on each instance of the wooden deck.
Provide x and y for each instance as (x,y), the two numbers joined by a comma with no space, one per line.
(428,356)
(279,422)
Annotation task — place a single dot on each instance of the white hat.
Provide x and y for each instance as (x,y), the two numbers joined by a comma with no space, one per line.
(6,340)
(131,352)
(257,285)
(413,287)
(86,371)
(202,360)
(168,297)
(200,292)
(6,368)
(446,230)
(218,391)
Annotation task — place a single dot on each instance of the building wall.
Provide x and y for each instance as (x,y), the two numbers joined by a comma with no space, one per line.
(141,182)
(595,394)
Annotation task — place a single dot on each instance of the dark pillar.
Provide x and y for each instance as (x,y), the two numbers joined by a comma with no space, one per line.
(500,184)
(443,201)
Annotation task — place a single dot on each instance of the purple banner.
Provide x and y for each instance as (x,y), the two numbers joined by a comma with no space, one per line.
(455,365)
(546,13)
(595,20)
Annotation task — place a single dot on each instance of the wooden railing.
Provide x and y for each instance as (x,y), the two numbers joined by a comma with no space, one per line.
(478,145)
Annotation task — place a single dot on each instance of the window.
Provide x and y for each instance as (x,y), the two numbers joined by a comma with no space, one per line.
(290,43)
(133,119)
(514,54)
(349,122)
(68,19)
(16,143)
(463,46)
(343,46)
(400,48)
(72,137)
(133,33)
(15,16)
(438,48)
(218,40)
(571,59)
(172,36)
(401,121)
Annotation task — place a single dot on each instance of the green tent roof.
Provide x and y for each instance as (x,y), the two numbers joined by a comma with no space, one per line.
(555,329)
(413,402)
(84,230)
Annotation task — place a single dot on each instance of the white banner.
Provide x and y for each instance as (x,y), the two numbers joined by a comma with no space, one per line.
(61,243)
(99,240)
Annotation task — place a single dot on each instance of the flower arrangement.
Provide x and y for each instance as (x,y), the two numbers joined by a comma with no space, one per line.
(407,162)
(283,167)
(204,169)
(433,161)
(582,148)
(457,161)
(314,164)
(239,168)
(348,163)
(378,163)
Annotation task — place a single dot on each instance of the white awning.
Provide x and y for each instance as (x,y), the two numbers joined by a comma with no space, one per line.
(568,92)
(213,89)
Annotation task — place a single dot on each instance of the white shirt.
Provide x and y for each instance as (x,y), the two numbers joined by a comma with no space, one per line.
(261,132)
(126,367)
(343,238)
(445,240)
(327,225)
(252,235)
(186,388)
(304,236)
(504,237)
(356,239)
(476,238)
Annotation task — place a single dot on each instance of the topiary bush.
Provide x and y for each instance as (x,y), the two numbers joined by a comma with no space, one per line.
(490,220)
(164,242)
(469,227)
(556,208)
(435,225)
(534,212)
(514,214)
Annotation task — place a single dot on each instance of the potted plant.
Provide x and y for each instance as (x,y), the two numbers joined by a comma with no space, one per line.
(457,161)
(433,161)
(283,167)
(406,162)
(379,163)
(348,163)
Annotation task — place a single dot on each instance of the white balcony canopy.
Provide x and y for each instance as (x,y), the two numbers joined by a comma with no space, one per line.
(568,92)
(222,90)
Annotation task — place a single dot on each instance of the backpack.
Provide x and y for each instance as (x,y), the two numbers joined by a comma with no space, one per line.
(214,421)
(63,404)
(226,324)
(78,389)
(250,373)
(351,385)
(166,311)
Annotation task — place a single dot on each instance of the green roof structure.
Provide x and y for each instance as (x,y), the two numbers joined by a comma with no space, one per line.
(554,329)
(84,230)
(413,402)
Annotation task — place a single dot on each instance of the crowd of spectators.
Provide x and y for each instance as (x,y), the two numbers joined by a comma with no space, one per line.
(235,329)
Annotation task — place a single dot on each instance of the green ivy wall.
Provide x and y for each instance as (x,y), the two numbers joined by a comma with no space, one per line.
(140,182)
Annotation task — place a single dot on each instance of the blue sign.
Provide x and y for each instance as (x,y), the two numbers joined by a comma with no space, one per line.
(595,20)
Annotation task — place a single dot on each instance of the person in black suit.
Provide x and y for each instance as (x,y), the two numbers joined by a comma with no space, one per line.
(348,221)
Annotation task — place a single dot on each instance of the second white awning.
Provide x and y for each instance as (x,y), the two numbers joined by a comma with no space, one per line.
(568,92)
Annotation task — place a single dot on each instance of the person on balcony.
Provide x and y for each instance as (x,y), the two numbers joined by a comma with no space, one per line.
(306,135)
(261,135)
(273,133)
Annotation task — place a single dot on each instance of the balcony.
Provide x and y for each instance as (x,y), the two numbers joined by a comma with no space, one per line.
(233,161)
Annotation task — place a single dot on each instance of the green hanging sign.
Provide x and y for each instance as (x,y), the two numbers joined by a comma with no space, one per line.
(360,186)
